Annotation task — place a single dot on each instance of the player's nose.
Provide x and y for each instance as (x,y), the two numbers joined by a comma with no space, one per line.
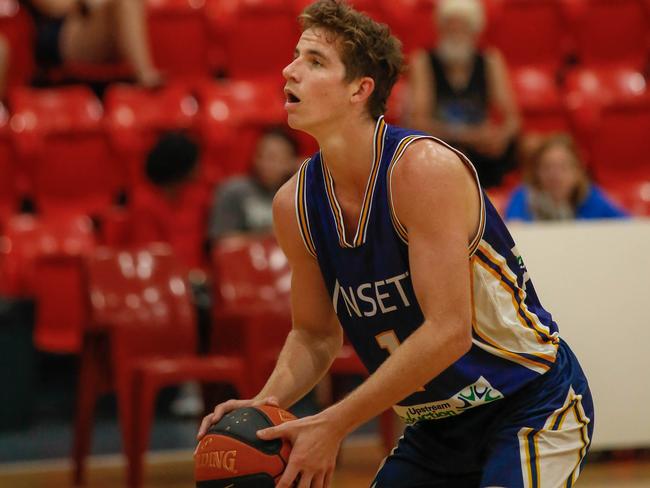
(290,72)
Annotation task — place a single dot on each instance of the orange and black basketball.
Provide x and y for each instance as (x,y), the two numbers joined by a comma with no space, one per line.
(231,455)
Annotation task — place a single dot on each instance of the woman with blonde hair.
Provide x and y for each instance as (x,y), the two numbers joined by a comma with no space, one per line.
(557,187)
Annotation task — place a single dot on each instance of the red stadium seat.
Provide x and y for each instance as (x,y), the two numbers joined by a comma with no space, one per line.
(20,247)
(178,33)
(252,314)
(136,116)
(60,137)
(529,32)
(631,194)
(232,117)
(610,32)
(540,100)
(412,21)
(180,222)
(258,37)
(141,337)
(611,113)
(17,27)
(42,259)
(8,176)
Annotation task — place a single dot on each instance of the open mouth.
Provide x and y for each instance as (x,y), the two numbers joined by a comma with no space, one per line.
(291,98)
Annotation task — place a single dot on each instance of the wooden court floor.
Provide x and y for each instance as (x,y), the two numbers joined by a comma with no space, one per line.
(356,468)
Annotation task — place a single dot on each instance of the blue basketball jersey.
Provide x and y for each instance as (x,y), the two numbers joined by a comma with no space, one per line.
(369,280)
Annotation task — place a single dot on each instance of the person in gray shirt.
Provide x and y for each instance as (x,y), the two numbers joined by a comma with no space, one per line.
(243,204)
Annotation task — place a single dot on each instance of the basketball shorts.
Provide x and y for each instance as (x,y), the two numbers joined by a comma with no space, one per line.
(536,438)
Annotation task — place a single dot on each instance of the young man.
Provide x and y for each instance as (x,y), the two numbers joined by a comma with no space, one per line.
(390,236)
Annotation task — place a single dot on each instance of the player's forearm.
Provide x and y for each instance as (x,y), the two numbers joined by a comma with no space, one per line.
(303,361)
(422,357)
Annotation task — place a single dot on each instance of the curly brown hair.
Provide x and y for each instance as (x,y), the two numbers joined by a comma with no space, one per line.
(367,47)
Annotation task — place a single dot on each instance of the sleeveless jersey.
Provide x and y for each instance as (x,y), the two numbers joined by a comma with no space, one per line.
(368,277)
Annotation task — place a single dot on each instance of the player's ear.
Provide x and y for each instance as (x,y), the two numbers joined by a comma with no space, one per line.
(363,88)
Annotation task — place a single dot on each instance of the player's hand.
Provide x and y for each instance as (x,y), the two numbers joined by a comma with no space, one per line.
(228,406)
(316,441)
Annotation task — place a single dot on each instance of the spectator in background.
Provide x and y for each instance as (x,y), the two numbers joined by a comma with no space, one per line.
(457,86)
(91,31)
(557,187)
(172,206)
(244,204)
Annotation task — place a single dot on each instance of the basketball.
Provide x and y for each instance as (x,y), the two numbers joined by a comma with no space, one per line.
(231,454)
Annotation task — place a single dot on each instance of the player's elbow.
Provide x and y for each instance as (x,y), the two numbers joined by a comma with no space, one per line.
(459,339)
(463,340)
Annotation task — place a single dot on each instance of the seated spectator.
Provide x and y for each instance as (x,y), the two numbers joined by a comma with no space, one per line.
(92,31)
(173,206)
(244,203)
(557,187)
(457,86)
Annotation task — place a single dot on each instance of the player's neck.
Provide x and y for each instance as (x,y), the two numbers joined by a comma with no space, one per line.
(348,151)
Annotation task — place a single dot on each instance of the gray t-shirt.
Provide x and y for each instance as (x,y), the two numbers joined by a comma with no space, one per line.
(241,205)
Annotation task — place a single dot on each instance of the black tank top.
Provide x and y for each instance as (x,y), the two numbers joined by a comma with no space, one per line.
(468,105)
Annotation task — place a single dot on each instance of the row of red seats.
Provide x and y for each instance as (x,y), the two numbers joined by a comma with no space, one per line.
(607,110)
(545,32)
(252,38)
(128,313)
(70,152)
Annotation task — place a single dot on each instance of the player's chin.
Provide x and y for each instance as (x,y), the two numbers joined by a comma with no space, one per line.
(294,121)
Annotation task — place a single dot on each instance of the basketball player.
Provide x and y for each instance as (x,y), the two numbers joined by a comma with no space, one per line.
(390,236)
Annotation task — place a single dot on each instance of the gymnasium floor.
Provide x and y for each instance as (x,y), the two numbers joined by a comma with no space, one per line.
(356,467)
(45,444)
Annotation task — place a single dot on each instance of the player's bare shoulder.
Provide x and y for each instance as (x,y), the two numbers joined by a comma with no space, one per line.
(431,177)
(428,166)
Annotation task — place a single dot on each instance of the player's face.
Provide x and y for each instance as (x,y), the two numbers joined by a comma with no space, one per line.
(316,90)
(558,173)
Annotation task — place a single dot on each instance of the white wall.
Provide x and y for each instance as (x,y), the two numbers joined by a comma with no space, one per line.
(595,280)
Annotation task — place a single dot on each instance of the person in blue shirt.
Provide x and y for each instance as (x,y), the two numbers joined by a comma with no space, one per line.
(556,187)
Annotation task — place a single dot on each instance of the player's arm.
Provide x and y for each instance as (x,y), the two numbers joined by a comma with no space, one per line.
(438,203)
(316,335)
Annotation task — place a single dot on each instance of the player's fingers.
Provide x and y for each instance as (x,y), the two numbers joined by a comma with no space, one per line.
(205,425)
(272,401)
(288,477)
(318,481)
(328,478)
(225,407)
(219,411)
(305,480)
(272,432)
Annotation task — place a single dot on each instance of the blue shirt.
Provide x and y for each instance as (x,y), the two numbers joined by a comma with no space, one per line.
(595,206)
(368,277)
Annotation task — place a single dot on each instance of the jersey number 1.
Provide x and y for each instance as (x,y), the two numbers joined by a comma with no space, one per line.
(388,340)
